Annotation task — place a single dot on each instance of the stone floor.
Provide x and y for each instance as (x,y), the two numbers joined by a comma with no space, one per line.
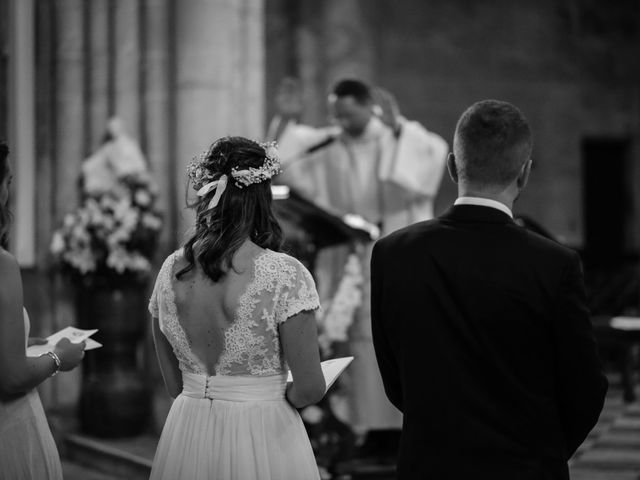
(611,452)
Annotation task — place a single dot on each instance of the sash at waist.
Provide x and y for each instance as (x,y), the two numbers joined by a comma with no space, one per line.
(234,388)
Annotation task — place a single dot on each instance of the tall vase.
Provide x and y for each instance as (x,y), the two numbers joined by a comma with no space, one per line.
(115,399)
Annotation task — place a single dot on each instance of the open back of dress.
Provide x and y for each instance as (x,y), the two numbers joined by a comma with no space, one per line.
(235,424)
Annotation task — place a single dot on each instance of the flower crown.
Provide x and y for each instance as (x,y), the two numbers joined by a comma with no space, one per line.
(203,178)
(201,175)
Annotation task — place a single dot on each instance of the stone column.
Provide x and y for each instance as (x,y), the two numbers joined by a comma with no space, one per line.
(157,133)
(158,141)
(126,66)
(219,79)
(69,134)
(98,66)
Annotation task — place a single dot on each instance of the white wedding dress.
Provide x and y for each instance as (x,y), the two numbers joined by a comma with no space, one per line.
(237,423)
(27,448)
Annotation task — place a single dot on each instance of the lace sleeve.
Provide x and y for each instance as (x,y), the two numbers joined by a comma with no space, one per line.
(154,307)
(154,310)
(302,295)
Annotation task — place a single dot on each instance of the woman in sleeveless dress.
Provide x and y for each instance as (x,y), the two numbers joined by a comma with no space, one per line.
(231,316)
(27,449)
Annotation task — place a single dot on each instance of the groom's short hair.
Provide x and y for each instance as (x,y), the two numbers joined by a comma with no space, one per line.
(492,142)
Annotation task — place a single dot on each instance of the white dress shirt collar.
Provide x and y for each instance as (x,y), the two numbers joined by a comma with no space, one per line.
(484,202)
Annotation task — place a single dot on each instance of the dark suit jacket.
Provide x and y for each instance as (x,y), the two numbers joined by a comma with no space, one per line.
(484,342)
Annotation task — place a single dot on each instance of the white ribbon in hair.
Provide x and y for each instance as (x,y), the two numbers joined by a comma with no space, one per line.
(220,185)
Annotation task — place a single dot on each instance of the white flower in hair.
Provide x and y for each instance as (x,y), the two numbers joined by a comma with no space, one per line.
(203,178)
(269,168)
(270,150)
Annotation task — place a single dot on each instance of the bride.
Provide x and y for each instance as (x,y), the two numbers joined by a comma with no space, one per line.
(231,315)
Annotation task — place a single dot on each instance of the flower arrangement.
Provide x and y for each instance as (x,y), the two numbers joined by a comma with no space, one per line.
(112,235)
(338,317)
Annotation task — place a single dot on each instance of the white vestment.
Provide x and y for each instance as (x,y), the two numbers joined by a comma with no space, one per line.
(391,182)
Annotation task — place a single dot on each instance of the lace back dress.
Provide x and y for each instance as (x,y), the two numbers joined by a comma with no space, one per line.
(237,423)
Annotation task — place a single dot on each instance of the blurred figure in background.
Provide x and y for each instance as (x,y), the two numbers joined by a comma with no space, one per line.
(377,165)
(27,448)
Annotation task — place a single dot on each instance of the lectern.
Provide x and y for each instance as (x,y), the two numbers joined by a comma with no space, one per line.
(308,227)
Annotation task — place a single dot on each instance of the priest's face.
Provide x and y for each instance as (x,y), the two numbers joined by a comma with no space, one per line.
(351,115)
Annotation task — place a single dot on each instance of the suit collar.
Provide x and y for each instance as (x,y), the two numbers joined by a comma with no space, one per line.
(476,213)
(485,202)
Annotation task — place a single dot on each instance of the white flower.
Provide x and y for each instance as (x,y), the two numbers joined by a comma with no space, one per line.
(81,259)
(130,219)
(69,220)
(271,152)
(118,236)
(57,243)
(142,198)
(83,217)
(122,208)
(108,222)
(79,233)
(118,260)
(151,221)
(140,263)
(107,202)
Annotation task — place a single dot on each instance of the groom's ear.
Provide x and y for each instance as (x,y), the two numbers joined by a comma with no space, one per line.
(451,166)
(523,178)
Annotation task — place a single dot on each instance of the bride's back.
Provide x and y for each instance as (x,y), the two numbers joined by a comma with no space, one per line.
(231,326)
(206,309)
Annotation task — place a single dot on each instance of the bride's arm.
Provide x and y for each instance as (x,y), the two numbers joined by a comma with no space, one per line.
(299,338)
(167,360)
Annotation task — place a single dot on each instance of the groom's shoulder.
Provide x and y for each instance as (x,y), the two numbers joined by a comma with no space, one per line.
(416,232)
(540,245)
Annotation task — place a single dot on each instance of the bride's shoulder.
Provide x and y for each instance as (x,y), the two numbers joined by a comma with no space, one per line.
(283,258)
(171,259)
(287,263)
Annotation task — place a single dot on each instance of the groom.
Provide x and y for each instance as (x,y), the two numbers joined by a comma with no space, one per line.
(481,328)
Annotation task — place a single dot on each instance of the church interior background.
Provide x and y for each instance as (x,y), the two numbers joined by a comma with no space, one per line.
(177,75)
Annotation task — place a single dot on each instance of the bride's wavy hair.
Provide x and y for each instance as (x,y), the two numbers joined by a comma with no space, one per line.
(241,214)
(5,214)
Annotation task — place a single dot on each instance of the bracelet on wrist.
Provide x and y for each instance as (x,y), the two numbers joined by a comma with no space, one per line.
(56,360)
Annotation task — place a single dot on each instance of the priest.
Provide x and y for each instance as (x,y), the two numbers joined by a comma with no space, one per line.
(374,164)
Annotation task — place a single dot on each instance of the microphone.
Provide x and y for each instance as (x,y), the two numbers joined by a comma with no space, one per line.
(319,146)
(303,156)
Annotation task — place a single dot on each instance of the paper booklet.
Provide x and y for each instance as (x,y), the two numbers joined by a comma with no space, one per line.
(331,369)
(625,323)
(75,335)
